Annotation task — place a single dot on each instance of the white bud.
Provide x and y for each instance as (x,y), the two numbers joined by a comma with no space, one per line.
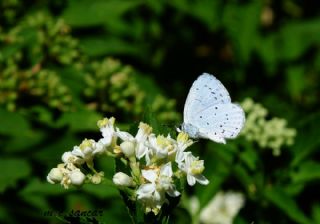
(122,179)
(127,148)
(97,178)
(77,177)
(67,157)
(55,176)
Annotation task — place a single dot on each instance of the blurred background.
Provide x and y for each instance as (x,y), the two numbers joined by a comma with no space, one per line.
(66,64)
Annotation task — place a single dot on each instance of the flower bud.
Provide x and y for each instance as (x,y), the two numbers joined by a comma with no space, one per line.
(122,179)
(77,177)
(55,176)
(68,157)
(127,148)
(97,178)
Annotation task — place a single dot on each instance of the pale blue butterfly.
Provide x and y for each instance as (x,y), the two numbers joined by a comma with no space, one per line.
(209,113)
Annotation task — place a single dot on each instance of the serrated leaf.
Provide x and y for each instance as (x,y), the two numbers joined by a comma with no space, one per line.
(13,170)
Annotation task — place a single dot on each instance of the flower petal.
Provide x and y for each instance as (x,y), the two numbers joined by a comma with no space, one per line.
(166,170)
(191,180)
(201,179)
(150,175)
(125,136)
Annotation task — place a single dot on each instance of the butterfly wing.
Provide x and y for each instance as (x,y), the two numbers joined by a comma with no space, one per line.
(219,122)
(205,92)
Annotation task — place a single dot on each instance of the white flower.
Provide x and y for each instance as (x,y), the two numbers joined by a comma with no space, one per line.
(68,157)
(222,208)
(108,131)
(159,182)
(76,177)
(88,149)
(193,167)
(123,180)
(55,176)
(183,142)
(128,148)
(139,140)
(160,148)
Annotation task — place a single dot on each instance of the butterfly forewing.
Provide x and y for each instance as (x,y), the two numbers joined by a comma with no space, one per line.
(205,92)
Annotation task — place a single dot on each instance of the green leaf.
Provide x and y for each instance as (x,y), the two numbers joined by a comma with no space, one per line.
(84,120)
(307,171)
(10,50)
(297,37)
(41,187)
(241,23)
(296,81)
(205,193)
(24,142)
(91,13)
(307,140)
(103,190)
(100,46)
(243,176)
(250,157)
(50,154)
(13,170)
(216,172)
(206,11)
(37,201)
(13,123)
(285,203)
(316,213)
(266,47)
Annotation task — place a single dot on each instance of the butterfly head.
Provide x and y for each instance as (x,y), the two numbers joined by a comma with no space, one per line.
(191,130)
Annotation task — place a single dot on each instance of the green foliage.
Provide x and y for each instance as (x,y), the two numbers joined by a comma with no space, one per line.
(66,64)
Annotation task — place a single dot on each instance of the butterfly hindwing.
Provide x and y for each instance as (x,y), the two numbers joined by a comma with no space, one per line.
(219,121)
(205,92)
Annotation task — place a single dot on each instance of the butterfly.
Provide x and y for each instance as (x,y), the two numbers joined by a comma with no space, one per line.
(209,113)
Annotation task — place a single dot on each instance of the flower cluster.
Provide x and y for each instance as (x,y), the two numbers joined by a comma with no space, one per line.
(112,86)
(272,133)
(36,41)
(154,164)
